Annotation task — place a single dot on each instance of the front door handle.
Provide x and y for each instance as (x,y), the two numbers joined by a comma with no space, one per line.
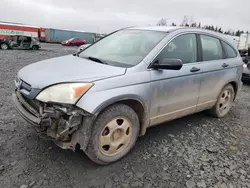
(194,69)
(224,65)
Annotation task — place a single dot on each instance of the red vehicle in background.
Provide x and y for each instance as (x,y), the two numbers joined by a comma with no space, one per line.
(74,42)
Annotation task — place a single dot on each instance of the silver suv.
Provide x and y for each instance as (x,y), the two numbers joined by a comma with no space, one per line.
(106,96)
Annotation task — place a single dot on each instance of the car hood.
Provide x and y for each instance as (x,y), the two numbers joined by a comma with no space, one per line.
(66,69)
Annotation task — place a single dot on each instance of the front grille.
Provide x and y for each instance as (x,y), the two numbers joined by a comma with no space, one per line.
(25,86)
(20,84)
(28,104)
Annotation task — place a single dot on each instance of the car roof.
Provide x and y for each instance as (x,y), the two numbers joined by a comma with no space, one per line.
(157,28)
(169,29)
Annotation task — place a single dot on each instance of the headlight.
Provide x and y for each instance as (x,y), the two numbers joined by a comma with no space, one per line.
(64,93)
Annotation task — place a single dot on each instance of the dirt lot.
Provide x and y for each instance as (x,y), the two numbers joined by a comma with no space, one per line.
(195,151)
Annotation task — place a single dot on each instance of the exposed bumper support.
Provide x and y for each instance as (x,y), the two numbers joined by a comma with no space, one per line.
(23,112)
(65,126)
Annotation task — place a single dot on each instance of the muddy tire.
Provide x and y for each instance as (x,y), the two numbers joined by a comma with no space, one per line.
(224,102)
(4,46)
(114,134)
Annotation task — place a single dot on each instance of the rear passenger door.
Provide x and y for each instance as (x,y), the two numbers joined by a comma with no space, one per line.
(217,69)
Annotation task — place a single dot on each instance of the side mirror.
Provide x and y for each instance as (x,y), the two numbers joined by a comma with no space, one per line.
(168,64)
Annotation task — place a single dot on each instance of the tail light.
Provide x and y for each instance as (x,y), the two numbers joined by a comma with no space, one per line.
(244,66)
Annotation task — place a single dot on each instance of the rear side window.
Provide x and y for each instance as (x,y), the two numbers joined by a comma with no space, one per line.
(211,48)
(230,52)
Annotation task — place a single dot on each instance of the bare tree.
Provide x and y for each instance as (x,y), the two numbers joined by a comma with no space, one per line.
(185,21)
(191,21)
(162,22)
(230,31)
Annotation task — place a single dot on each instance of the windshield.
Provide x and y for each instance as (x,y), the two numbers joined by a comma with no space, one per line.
(124,48)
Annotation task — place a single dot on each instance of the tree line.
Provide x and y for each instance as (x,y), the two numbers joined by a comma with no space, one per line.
(191,23)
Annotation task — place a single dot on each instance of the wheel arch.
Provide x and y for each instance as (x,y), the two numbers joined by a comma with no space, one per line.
(235,86)
(134,102)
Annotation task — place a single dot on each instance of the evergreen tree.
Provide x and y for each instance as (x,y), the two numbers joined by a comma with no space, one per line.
(173,24)
(237,33)
(190,23)
(194,24)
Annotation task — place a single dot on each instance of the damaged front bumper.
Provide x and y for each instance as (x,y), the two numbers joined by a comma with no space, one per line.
(65,125)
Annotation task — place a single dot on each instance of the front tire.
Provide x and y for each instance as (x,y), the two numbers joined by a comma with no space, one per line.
(114,134)
(224,102)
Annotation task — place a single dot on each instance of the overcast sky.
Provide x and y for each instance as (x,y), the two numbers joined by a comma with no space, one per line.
(108,15)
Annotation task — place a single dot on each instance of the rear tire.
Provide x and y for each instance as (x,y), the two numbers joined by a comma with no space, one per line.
(4,46)
(114,134)
(224,102)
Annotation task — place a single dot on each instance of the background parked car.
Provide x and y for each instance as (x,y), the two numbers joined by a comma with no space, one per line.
(246,69)
(19,42)
(74,42)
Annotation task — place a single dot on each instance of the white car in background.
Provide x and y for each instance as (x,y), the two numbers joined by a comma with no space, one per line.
(246,70)
(82,47)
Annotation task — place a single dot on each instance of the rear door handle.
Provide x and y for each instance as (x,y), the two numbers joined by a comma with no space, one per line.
(195,69)
(224,65)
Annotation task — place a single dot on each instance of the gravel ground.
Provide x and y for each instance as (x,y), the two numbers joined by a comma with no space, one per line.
(195,151)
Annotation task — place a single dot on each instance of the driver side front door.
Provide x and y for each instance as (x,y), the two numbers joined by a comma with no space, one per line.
(176,92)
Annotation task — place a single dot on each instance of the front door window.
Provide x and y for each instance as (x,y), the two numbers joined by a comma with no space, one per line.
(182,47)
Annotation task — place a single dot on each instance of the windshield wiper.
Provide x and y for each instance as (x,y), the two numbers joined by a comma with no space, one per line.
(97,60)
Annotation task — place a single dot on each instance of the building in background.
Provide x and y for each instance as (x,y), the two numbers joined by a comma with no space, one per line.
(50,35)
(60,35)
(7,28)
